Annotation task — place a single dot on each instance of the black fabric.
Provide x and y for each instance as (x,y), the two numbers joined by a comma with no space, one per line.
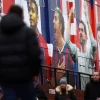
(19,51)
(65,96)
(40,94)
(92,90)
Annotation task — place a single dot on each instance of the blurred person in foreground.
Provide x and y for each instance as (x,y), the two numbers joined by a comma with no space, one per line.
(19,56)
(92,89)
(64,91)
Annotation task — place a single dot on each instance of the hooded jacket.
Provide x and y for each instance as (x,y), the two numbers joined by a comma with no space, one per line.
(19,51)
(92,90)
(66,94)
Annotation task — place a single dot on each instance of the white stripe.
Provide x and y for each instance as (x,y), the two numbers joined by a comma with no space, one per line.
(50,49)
(23,4)
(18,2)
(39,20)
(26,13)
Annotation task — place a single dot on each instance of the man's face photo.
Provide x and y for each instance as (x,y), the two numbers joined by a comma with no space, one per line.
(57,25)
(33,14)
(82,33)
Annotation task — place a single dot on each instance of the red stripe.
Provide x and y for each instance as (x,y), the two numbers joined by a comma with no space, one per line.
(80,9)
(93,21)
(61,5)
(70,6)
(7,4)
(72,38)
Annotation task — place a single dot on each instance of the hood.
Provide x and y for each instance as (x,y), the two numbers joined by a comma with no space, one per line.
(10,23)
(68,88)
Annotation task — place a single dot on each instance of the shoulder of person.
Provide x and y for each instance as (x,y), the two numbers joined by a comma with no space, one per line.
(29,31)
(89,84)
(69,87)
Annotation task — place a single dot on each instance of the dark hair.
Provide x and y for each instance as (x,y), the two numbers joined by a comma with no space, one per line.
(15,9)
(33,1)
(84,26)
(61,19)
(98,27)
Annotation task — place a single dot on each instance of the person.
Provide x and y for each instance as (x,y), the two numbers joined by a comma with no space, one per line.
(92,89)
(64,91)
(19,56)
(61,57)
(83,55)
(34,18)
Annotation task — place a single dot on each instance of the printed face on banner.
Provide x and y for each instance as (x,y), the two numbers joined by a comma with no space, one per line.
(33,13)
(82,33)
(58,22)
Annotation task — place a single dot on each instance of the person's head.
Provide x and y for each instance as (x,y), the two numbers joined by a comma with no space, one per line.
(96,76)
(63,83)
(58,22)
(98,33)
(82,32)
(15,9)
(33,13)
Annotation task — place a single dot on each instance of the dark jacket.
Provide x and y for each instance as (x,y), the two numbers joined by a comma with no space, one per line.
(19,51)
(67,94)
(40,94)
(92,90)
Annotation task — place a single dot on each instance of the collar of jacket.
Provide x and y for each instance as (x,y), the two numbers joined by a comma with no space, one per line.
(68,88)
